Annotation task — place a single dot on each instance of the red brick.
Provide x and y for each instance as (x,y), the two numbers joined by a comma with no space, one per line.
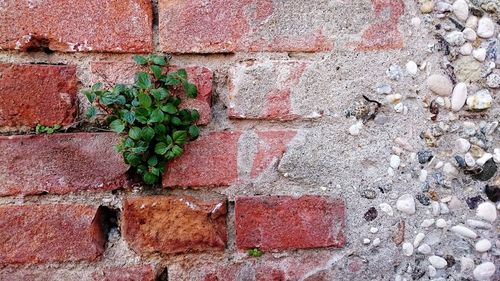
(282,222)
(129,273)
(236,25)
(70,26)
(272,100)
(36,94)
(383,33)
(272,145)
(49,233)
(209,161)
(172,224)
(60,163)
(111,73)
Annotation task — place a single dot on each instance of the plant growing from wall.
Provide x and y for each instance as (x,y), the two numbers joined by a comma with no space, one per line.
(147,115)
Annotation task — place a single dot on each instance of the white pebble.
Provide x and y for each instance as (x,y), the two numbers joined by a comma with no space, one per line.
(469,160)
(393,98)
(395,161)
(461,10)
(366,241)
(496,155)
(469,34)
(479,54)
(355,128)
(439,164)
(411,68)
(407,249)
(390,172)
(444,208)
(483,245)
(478,224)
(459,96)
(483,159)
(440,223)
(399,107)
(484,271)
(427,222)
(437,262)
(376,242)
(386,208)
(463,231)
(435,208)
(431,271)
(471,22)
(423,176)
(424,249)
(418,239)
(373,230)
(462,145)
(415,21)
(480,100)
(406,204)
(485,27)
(487,211)
(466,49)
(440,84)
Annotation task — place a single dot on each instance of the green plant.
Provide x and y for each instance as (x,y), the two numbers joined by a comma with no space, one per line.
(255,252)
(40,129)
(147,115)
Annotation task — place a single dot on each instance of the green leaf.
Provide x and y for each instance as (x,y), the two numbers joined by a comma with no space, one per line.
(159,93)
(169,108)
(180,137)
(132,159)
(96,86)
(159,60)
(120,100)
(182,73)
(160,148)
(129,142)
(194,131)
(176,121)
(171,80)
(117,126)
(255,252)
(140,60)
(135,133)
(191,90)
(155,171)
(91,112)
(143,80)
(107,98)
(156,70)
(156,116)
(90,96)
(147,133)
(152,161)
(129,116)
(160,129)
(144,100)
(176,151)
(149,178)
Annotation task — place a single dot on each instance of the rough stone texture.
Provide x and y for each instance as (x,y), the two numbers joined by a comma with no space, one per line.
(110,73)
(254,26)
(131,273)
(47,233)
(172,224)
(282,222)
(36,94)
(60,163)
(209,161)
(69,26)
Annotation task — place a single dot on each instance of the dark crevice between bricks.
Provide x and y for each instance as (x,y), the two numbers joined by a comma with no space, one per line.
(38,43)
(163,276)
(156,35)
(109,219)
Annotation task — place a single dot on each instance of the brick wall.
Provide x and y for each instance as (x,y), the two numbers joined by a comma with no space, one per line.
(273,77)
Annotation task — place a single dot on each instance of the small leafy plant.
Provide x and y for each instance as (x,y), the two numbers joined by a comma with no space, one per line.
(255,252)
(40,129)
(147,115)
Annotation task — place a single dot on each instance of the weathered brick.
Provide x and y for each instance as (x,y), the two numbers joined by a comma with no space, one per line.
(36,94)
(172,224)
(271,146)
(48,233)
(290,267)
(282,222)
(71,26)
(238,25)
(60,163)
(128,273)
(209,161)
(111,73)
(272,100)
(383,33)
